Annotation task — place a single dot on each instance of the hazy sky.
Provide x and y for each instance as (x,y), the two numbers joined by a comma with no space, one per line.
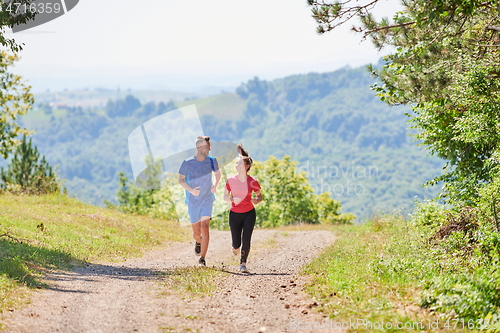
(183,45)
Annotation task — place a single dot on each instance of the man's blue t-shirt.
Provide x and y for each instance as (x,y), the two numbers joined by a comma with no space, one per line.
(199,173)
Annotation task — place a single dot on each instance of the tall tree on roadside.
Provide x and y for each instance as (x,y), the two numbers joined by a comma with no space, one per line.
(15,96)
(27,170)
(15,100)
(446,67)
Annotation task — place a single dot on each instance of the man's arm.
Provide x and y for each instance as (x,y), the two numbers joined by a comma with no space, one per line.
(217,180)
(218,176)
(182,181)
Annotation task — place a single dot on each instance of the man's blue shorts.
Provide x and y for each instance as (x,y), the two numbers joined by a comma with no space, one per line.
(202,209)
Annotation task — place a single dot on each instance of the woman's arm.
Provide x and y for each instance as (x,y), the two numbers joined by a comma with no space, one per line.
(258,198)
(227,196)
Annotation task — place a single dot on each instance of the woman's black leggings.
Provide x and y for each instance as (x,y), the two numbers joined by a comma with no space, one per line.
(241,225)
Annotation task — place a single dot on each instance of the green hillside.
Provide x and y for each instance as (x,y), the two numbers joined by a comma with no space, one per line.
(349,142)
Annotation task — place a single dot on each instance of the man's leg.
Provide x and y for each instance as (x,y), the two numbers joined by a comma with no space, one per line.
(204,230)
(205,213)
(194,215)
(197,231)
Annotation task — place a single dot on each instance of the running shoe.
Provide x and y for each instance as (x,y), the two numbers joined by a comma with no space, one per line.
(236,251)
(243,268)
(197,248)
(202,262)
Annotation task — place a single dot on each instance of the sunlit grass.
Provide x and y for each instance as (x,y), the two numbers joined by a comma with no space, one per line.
(57,232)
(191,281)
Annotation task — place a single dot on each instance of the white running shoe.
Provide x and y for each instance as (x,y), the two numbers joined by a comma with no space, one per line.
(243,268)
(236,251)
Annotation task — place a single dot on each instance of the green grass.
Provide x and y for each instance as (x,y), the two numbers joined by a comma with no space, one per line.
(376,272)
(57,232)
(191,281)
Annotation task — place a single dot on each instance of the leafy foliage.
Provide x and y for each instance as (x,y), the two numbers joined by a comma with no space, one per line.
(15,100)
(7,20)
(466,245)
(446,67)
(289,198)
(144,199)
(27,171)
(287,195)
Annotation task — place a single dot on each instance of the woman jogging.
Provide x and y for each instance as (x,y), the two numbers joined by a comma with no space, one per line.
(238,192)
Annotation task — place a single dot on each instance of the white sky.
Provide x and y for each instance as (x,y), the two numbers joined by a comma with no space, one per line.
(183,44)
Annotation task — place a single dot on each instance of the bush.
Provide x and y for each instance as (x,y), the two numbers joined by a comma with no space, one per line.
(466,245)
(289,198)
(469,296)
(430,213)
(329,210)
(145,201)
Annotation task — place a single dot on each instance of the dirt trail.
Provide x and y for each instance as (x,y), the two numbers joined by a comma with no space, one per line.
(124,297)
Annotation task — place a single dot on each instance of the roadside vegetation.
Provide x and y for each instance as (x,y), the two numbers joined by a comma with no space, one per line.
(437,270)
(191,281)
(54,231)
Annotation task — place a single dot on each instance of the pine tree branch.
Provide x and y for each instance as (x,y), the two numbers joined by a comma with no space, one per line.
(343,15)
(387,28)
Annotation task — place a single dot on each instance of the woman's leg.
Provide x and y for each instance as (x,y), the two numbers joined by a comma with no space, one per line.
(236,225)
(248,225)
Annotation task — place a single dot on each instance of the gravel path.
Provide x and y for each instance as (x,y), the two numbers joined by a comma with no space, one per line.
(125,297)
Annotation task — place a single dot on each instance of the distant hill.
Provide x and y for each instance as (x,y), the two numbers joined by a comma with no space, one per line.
(349,142)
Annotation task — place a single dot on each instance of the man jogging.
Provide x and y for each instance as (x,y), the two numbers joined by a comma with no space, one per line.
(195,176)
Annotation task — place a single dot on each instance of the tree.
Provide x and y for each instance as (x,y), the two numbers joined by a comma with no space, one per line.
(10,17)
(122,107)
(15,100)
(288,197)
(27,171)
(446,68)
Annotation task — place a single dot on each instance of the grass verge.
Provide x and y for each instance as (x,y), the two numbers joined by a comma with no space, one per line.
(192,281)
(57,232)
(371,279)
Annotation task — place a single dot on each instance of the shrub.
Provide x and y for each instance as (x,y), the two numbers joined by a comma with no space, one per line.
(469,296)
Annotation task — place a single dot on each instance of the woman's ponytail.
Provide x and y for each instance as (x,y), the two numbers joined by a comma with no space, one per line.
(244,155)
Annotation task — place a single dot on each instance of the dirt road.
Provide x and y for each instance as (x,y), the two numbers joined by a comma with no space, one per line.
(126,296)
